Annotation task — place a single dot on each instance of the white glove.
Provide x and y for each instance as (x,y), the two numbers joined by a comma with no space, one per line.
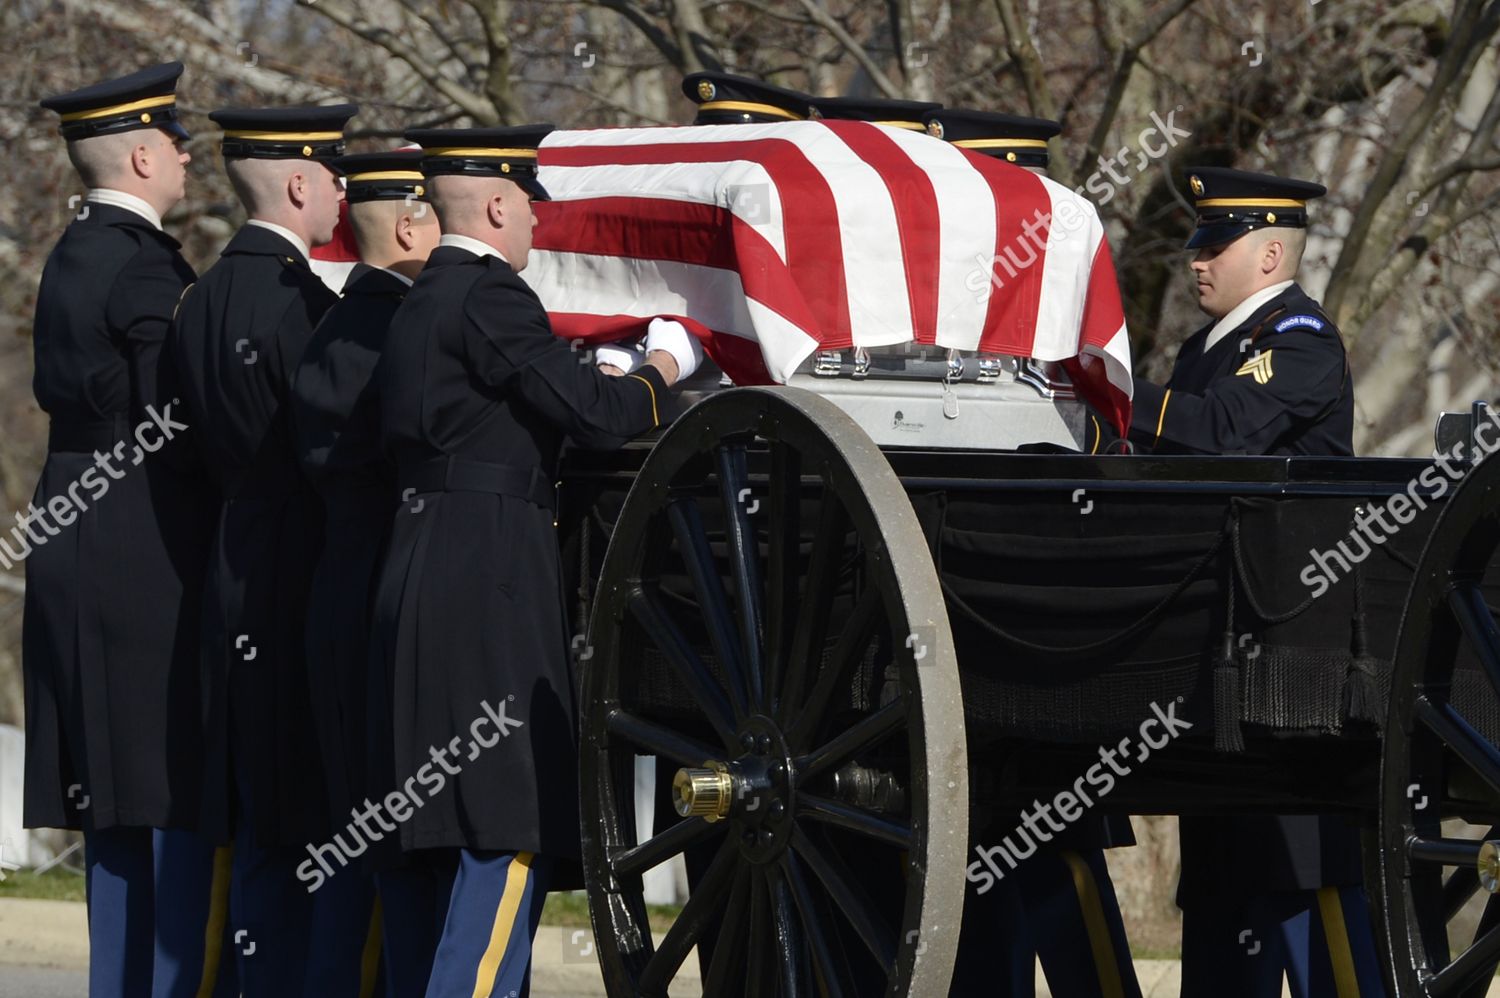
(673,337)
(626,356)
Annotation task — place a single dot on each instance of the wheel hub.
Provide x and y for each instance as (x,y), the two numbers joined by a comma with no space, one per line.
(754,790)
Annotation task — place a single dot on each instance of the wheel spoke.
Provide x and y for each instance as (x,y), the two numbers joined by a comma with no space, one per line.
(744,565)
(645,606)
(784,545)
(825,961)
(1474,965)
(788,934)
(662,742)
(702,906)
(861,736)
(725,960)
(858,631)
(757,949)
(849,899)
(857,820)
(1478,625)
(1459,736)
(703,573)
(817,598)
(661,847)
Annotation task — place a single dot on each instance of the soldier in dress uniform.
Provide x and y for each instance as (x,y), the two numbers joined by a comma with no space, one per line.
(1267,375)
(1064,910)
(723,99)
(476,399)
(335,417)
(114,542)
(238,336)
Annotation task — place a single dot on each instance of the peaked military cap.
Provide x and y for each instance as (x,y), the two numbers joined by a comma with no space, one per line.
(313,132)
(510,153)
(146,98)
(1011,137)
(1231,203)
(880,110)
(383,176)
(736,100)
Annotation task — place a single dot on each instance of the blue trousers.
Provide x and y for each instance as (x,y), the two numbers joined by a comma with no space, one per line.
(343,952)
(1321,940)
(1057,907)
(157,908)
(414,899)
(493,913)
(270,909)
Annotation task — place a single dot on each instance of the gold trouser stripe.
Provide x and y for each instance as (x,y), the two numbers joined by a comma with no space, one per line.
(754,107)
(283,136)
(1252,203)
(1100,943)
(218,913)
(505,923)
(369,961)
(1003,144)
(655,419)
(1340,954)
(1098,433)
(480,152)
(144,104)
(1161,418)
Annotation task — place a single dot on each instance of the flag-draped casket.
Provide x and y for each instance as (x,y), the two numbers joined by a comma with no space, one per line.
(779,240)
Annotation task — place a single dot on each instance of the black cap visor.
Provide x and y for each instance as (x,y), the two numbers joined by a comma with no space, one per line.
(1218,233)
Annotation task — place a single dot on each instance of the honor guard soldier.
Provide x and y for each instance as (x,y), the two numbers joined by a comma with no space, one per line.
(114,735)
(238,336)
(476,399)
(907,114)
(734,100)
(1267,375)
(1059,906)
(335,417)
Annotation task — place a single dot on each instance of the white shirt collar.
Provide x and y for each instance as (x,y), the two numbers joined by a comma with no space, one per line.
(1241,312)
(476,246)
(397,275)
(285,233)
(106,195)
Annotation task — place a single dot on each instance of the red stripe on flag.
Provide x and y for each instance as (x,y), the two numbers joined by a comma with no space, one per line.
(678,231)
(1103,317)
(1020,254)
(810,223)
(917,220)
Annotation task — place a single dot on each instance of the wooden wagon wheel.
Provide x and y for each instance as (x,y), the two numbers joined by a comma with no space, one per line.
(832,820)
(1436,765)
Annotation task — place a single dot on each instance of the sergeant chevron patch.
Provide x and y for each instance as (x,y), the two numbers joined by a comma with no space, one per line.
(1258,367)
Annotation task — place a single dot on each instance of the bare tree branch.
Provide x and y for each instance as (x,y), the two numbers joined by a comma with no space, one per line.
(853,47)
(1033,77)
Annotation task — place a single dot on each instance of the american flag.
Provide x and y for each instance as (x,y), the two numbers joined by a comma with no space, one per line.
(775,241)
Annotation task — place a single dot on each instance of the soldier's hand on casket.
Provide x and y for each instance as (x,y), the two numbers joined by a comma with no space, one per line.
(618,358)
(672,338)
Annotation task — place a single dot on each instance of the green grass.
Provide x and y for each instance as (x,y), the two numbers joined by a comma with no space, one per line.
(571,911)
(56,884)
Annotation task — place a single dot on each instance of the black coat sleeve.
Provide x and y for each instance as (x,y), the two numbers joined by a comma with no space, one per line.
(509,345)
(1296,378)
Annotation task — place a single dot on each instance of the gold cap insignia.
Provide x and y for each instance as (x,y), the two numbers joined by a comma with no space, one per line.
(307,150)
(935,129)
(504,167)
(1010,157)
(1196,185)
(146,117)
(1271,217)
(706,90)
(419,190)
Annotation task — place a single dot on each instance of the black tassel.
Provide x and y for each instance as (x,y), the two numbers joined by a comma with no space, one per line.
(1227,708)
(1362,700)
